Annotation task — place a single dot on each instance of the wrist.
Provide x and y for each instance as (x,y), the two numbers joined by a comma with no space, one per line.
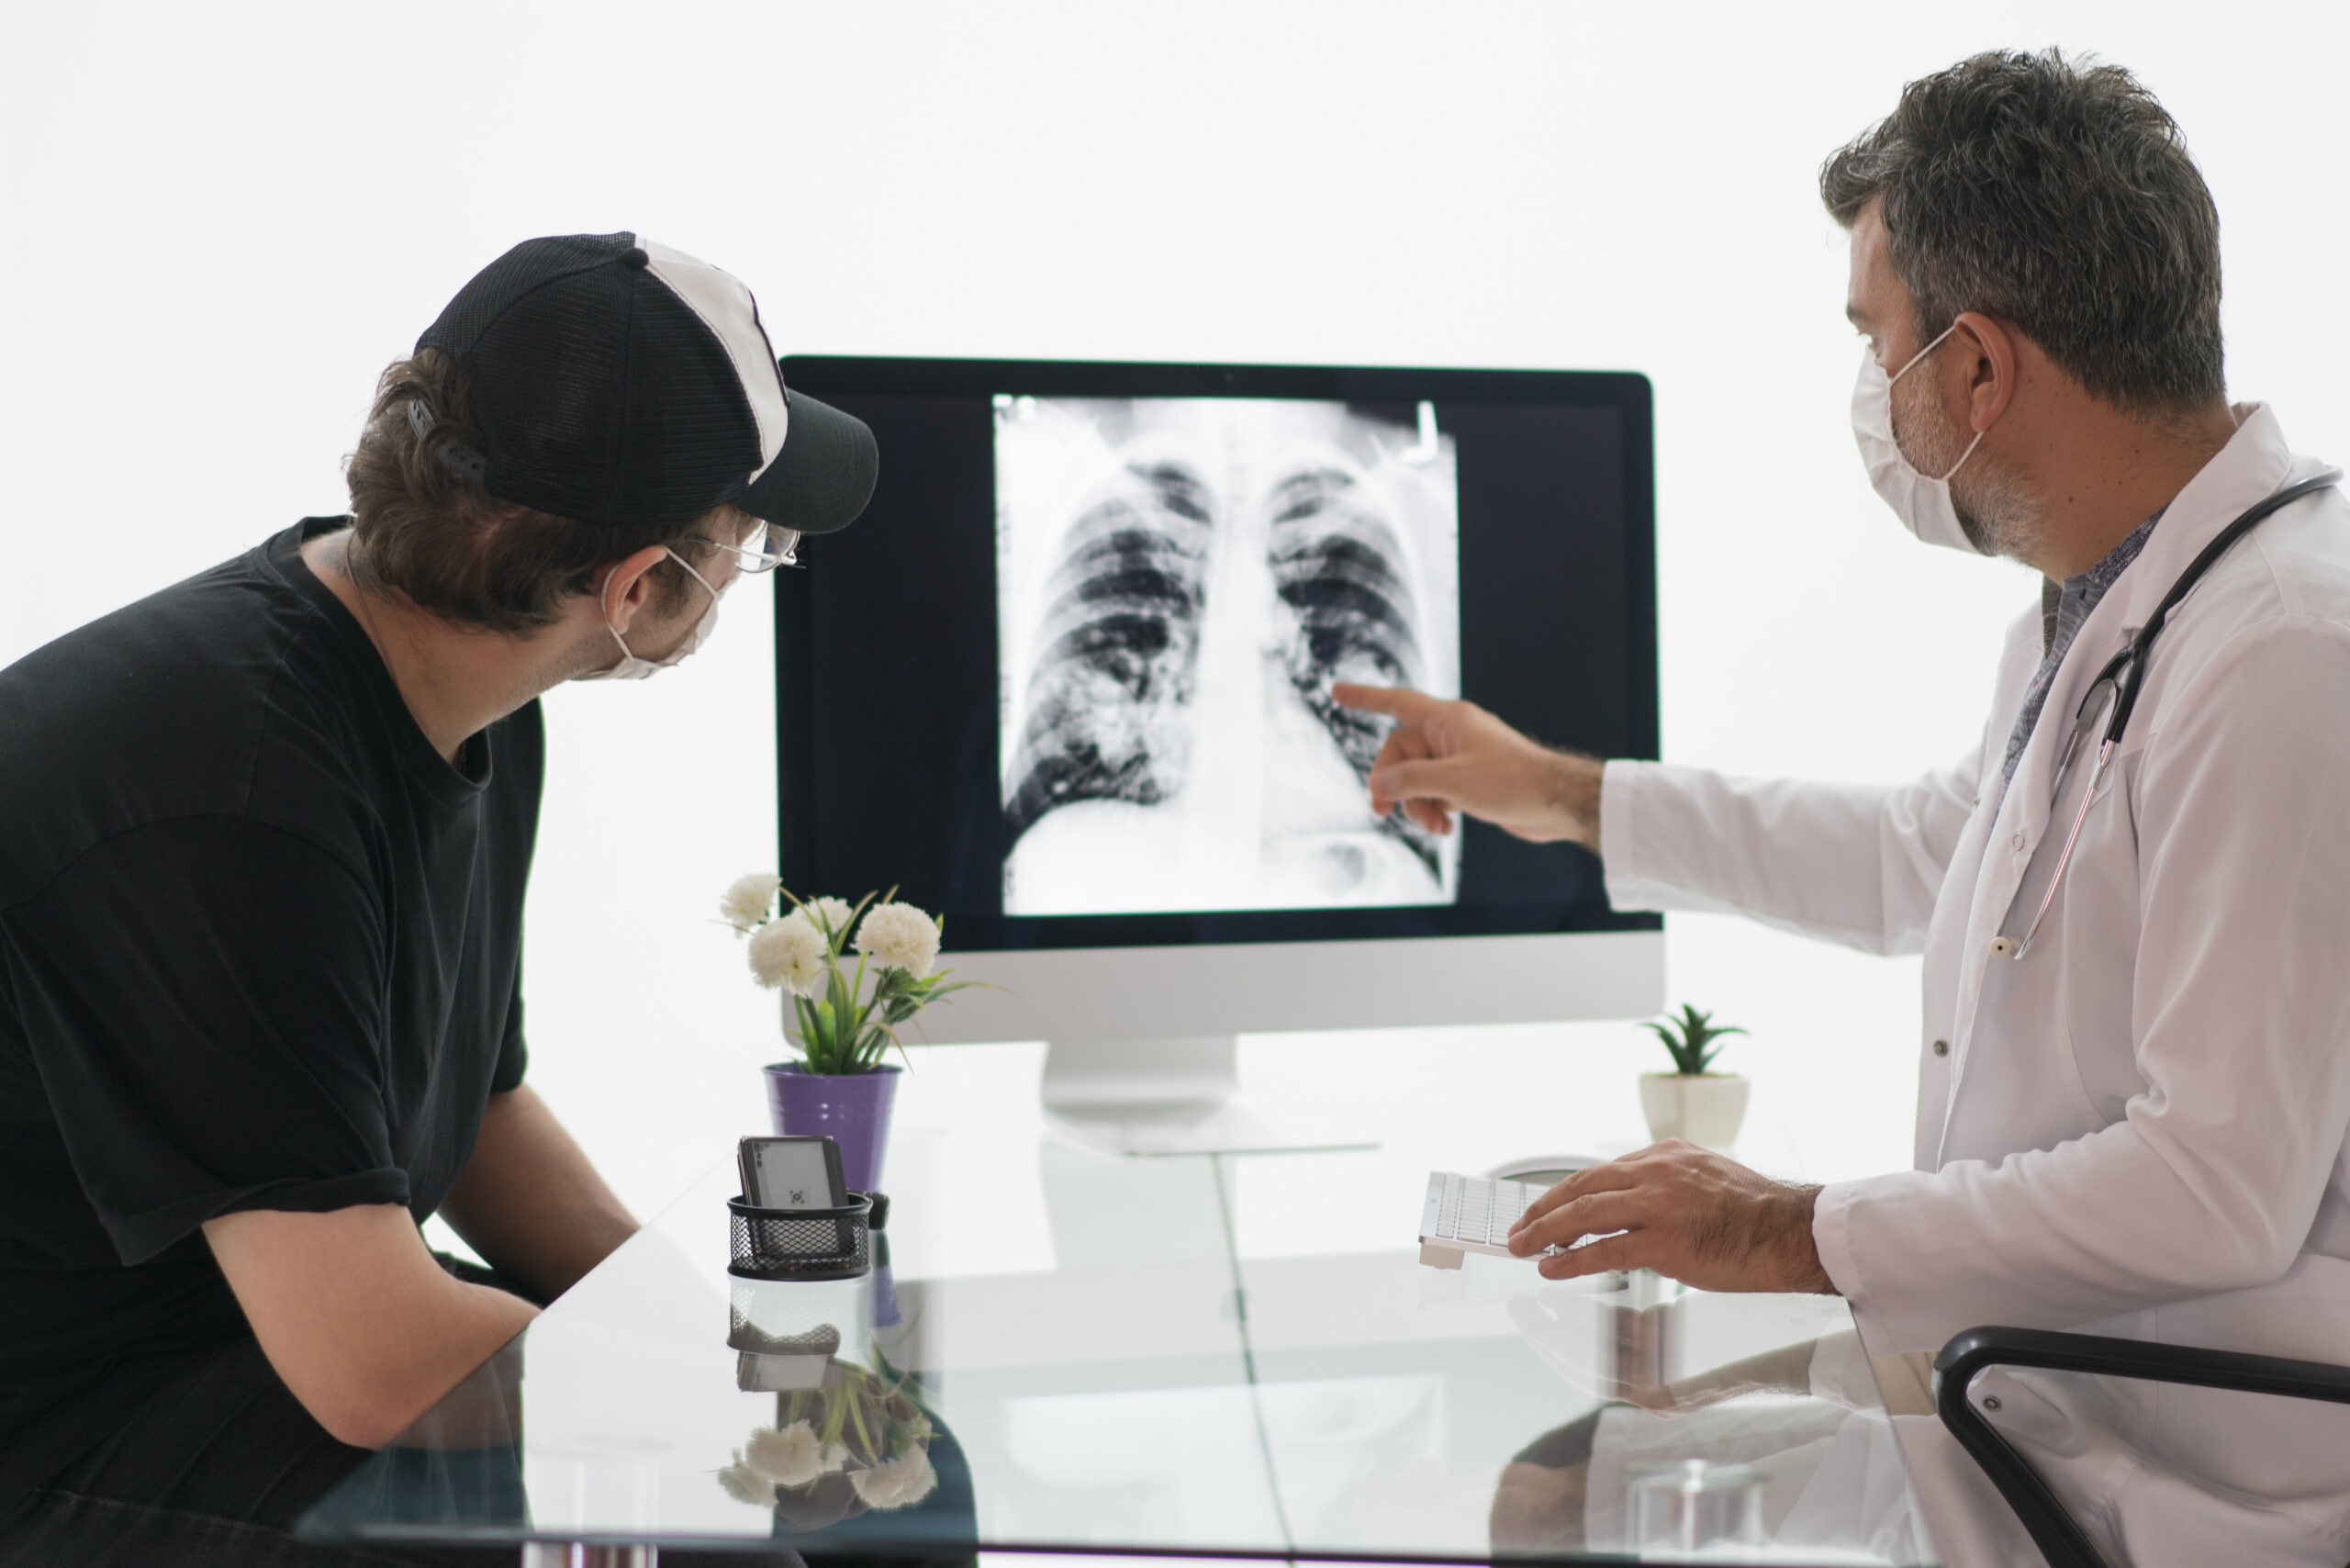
(1803,1267)
(1574,796)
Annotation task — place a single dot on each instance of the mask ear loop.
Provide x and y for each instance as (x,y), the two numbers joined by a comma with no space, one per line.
(683,565)
(1944,478)
(1963,456)
(1923,352)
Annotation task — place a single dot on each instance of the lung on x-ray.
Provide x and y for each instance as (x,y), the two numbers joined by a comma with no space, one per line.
(1180,581)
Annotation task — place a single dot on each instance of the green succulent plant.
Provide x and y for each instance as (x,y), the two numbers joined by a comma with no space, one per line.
(1691,1036)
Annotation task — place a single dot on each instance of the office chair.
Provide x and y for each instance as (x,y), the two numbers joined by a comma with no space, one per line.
(2059,1538)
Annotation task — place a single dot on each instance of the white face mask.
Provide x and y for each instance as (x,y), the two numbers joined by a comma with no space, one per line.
(1923,504)
(631,668)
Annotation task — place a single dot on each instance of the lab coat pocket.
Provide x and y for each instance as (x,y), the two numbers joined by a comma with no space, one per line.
(2025,1409)
(2082,1434)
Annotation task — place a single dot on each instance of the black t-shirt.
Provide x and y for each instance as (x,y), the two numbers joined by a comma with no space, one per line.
(260,948)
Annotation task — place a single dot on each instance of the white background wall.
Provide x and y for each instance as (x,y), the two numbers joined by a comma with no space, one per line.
(221,221)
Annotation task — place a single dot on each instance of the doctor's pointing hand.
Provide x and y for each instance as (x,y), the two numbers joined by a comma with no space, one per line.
(2132,892)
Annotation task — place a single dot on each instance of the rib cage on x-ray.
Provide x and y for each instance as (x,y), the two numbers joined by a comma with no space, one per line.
(1203,539)
(1121,635)
(1337,565)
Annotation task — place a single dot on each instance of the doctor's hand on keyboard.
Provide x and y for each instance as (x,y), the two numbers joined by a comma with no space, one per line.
(1686,1212)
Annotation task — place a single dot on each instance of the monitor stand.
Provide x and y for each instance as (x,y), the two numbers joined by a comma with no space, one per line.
(1179,1096)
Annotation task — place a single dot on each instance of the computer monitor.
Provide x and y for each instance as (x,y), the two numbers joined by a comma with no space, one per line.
(1066,683)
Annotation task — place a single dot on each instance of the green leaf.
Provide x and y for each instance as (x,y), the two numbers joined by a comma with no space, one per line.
(1690,1037)
(841,1000)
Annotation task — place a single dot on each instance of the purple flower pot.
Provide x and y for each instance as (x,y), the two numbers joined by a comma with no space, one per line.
(851,1109)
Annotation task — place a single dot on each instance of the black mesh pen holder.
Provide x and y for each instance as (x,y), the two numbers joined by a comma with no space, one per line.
(800,1244)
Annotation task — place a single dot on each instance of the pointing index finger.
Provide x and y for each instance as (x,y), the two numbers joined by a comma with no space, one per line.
(1400,701)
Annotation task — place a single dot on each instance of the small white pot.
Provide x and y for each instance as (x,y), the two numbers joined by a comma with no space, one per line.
(1706,1108)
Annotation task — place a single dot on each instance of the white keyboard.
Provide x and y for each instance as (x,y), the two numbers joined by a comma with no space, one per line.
(1471,1214)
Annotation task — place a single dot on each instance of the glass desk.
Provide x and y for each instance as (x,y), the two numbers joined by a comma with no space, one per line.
(1139,1380)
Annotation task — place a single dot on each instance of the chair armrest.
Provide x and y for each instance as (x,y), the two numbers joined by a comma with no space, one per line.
(2058,1538)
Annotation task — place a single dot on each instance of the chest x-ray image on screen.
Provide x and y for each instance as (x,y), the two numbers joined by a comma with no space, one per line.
(1179,582)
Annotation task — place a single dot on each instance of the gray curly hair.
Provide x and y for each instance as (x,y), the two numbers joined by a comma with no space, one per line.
(2057,196)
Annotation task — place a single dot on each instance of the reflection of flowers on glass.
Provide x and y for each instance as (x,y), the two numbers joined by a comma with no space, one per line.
(905,1479)
(792,1457)
(855,1444)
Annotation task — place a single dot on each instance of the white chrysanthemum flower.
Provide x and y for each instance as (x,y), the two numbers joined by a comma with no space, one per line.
(903,1480)
(900,937)
(746,902)
(746,1486)
(831,914)
(790,1458)
(835,1456)
(790,953)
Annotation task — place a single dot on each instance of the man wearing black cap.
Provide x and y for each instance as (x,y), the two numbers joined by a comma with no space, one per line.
(264,842)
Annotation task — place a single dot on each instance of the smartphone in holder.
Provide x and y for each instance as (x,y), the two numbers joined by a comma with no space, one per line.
(792,1173)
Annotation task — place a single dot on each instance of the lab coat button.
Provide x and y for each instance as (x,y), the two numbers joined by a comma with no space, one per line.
(1942,1048)
(1990,1402)
(2017,841)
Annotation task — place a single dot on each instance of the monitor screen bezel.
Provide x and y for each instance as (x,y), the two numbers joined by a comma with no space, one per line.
(1628,393)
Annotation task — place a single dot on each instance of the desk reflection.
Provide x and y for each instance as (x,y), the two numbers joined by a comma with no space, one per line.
(1148,1388)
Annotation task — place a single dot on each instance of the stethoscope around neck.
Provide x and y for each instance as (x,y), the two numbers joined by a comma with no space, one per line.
(2117,687)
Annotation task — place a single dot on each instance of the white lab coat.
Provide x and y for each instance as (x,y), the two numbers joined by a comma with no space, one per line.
(2138,1128)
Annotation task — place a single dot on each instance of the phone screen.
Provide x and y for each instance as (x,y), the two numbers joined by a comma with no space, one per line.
(789,1174)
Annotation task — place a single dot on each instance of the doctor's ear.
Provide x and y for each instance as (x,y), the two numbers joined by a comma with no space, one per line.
(1991,370)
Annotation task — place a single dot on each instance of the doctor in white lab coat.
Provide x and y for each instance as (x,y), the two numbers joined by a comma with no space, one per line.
(2137,1127)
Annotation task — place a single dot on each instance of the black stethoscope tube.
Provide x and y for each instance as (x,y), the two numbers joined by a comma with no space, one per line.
(2134,656)
(2125,673)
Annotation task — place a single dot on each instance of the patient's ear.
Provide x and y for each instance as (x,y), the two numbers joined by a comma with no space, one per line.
(628,588)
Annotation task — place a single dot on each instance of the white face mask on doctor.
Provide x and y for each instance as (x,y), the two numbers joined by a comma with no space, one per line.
(631,668)
(1922,503)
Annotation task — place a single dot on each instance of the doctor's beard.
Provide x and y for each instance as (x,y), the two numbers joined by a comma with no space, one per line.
(1996,509)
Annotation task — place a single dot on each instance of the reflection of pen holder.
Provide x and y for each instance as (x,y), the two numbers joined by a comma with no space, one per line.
(801,1244)
(778,1319)
(790,1331)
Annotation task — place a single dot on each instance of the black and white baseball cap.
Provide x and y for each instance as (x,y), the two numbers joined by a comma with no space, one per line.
(619,382)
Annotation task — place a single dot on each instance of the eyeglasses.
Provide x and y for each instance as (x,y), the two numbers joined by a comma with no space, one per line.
(767,548)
